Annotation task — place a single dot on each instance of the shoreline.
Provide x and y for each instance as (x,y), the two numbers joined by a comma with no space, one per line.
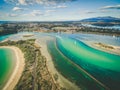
(18,69)
(62,81)
(115,49)
(98,33)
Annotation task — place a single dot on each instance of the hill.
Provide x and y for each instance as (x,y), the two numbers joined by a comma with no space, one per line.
(102,19)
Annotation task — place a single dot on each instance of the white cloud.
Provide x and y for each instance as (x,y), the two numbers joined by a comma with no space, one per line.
(49,11)
(13,15)
(25,14)
(60,6)
(89,12)
(36,13)
(104,11)
(47,14)
(45,2)
(111,7)
(17,9)
(22,2)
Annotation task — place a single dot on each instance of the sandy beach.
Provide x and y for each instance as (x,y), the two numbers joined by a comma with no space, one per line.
(62,81)
(19,67)
(115,50)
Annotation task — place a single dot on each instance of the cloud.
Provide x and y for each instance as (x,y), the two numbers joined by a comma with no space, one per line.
(89,12)
(111,7)
(46,15)
(97,11)
(45,2)
(104,11)
(22,2)
(17,9)
(13,15)
(60,6)
(36,13)
(49,11)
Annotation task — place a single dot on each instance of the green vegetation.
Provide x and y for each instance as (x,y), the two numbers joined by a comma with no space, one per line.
(8,29)
(35,75)
(55,77)
(104,45)
(70,27)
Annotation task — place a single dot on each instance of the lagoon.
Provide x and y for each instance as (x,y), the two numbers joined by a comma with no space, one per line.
(104,66)
(71,71)
(71,56)
(7,64)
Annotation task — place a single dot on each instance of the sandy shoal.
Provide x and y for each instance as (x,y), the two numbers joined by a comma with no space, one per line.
(62,81)
(116,49)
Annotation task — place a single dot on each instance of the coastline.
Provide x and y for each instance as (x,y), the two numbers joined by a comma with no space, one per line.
(98,33)
(62,81)
(115,50)
(18,69)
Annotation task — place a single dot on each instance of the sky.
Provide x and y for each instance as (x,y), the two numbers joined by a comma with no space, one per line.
(57,10)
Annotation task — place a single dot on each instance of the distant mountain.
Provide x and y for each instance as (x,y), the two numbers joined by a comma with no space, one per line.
(102,19)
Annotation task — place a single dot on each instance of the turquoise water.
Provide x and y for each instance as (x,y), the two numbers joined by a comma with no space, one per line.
(70,71)
(4,37)
(6,65)
(103,66)
(95,38)
(87,54)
